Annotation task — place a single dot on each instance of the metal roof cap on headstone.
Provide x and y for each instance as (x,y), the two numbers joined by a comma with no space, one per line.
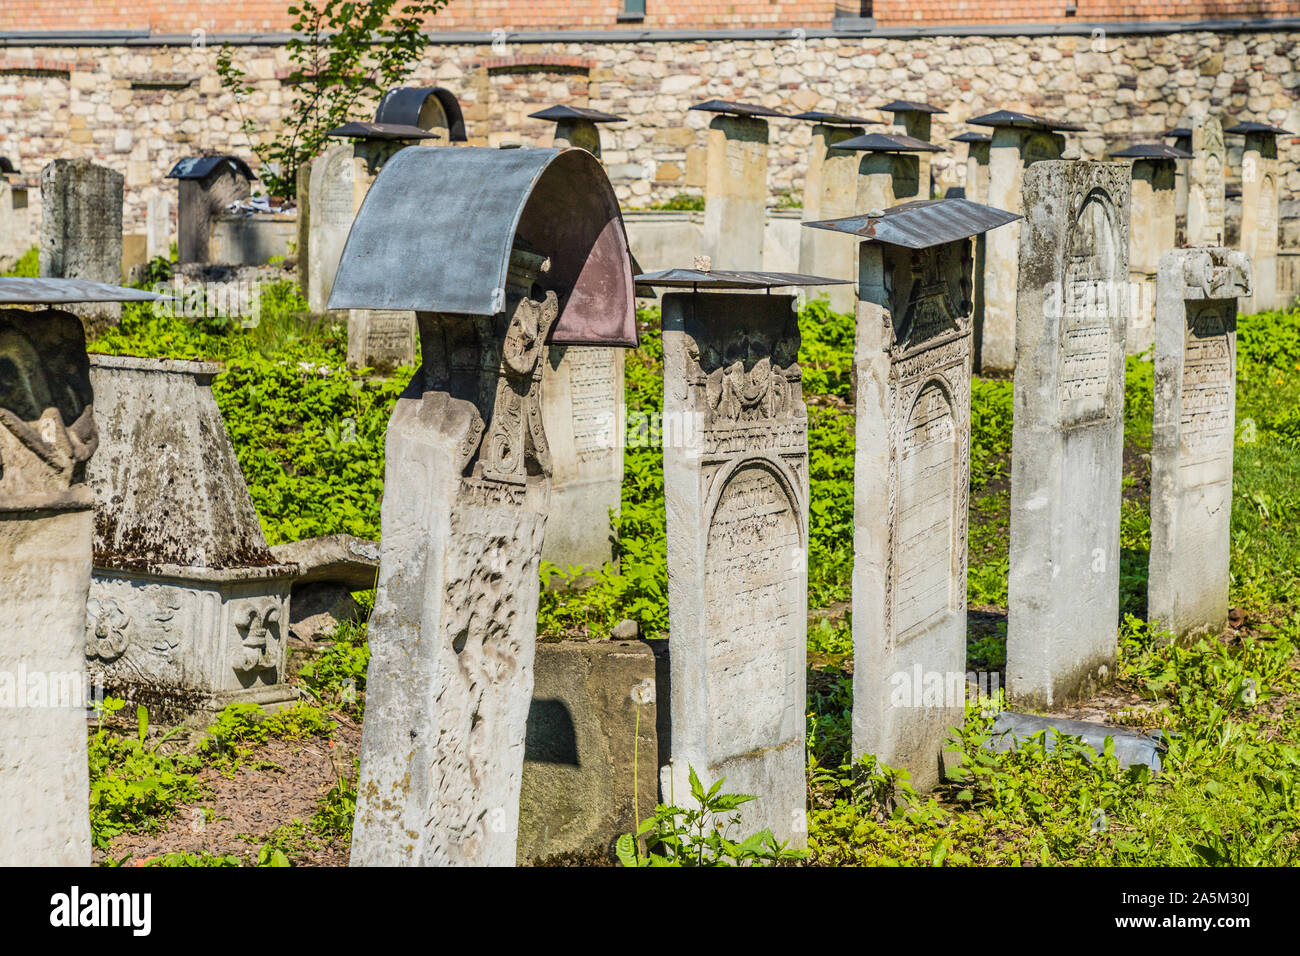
(6,166)
(736,109)
(1151,151)
(922,223)
(18,291)
(358,130)
(888,143)
(1253,127)
(200,167)
(1027,120)
(970,136)
(1179,132)
(435,231)
(557,113)
(402,105)
(909,106)
(835,119)
(730,279)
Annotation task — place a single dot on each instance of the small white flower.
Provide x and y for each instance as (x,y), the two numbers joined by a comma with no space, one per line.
(644,692)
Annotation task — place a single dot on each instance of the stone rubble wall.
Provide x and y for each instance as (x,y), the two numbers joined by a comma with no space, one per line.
(139,109)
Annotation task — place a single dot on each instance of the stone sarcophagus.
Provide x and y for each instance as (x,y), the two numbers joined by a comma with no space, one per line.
(48,436)
(189,609)
(525,248)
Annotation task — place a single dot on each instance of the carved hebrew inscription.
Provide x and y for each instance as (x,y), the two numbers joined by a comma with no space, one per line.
(1206,429)
(594,397)
(926,493)
(753,595)
(1087,301)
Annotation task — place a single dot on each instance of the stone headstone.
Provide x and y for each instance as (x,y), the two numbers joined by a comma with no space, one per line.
(454,629)
(47,435)
(189,609)
(582,411)
(1012,150)
(1154,226)
(911,476)
(81,230)
(830,191)
(916,120)
(735,192)
(1068,431)
(736,488)
(17,233)
(158,227)
(1260,179)
(1182,137)
(1192,438)
(1205,184)
(206,186)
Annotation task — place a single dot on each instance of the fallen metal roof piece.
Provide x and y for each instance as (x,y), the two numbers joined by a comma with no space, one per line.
(557,113)
(835,119)
(1012,118)
(358,130)
(888,143)
(730,279)
(736,109)
(922,223)
(435,232)
(1151,151)
(1132,747)
(402,106)
(200,167)
(1253,127)
(17,291)
(909,106)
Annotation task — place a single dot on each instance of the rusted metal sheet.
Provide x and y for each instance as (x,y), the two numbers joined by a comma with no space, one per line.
(1026,120)
(735,109)
(358,130)
(921,224)
(14,291)
(835,119)
(402,106)
(435,231)
(557,113)
(909,106)
(201,167)
(1151,151)
(729,279)
(888,143)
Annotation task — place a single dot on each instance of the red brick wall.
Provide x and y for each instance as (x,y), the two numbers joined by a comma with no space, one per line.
(253,16)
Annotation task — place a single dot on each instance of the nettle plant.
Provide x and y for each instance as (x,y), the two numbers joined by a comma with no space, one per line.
(344,56)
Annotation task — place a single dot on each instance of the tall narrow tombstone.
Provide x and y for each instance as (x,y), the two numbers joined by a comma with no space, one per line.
(735,188)
(1192,438)
(1154,233)
(1205,184)
(1068,433)
(1182,137)
(576,126)
(189,609)
(916,122)
(911,477)
(1019,140)
(468,474)
(736,488)
(158,227)
(17,233)
(340,178)
(830,191)
(434,109)
(81,231)
(47,436)
(206,186)
(1259,211)
(889,171)
(977,190)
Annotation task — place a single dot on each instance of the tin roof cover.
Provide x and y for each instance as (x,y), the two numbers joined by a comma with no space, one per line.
(921,224)
(16,291)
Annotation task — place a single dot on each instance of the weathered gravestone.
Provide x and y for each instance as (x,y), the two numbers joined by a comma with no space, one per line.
(189,609)
(206,186)
(576,126)
(735,186)
(1019,140)
(1259,211)
(340,178)
(433,109)
(47,436)
(888,172)
(1182,137)
(158,227)
(1192,437)
(1205,184)
(916,120)
(522,242)
(81,231)
(977,190)
(736,492)
(829,192)
(1154,223)
(17,234)
(911,475)
(1068,432)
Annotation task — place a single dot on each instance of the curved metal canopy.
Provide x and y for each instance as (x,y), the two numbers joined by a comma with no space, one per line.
(402,105)
(435,231)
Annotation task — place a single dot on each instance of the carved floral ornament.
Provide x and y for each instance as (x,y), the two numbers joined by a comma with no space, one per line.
(929,292)
(258,626)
